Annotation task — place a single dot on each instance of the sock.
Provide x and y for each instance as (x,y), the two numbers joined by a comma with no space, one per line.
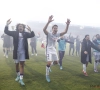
(21,76)
(84,68)
(18,73)
(47,69)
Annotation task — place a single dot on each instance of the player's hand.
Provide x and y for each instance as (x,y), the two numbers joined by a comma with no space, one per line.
(85,52)
(8,22)
(68,21)
(50,19)
(28,28)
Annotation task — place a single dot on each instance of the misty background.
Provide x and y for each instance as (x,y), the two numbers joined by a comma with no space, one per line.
(84,15)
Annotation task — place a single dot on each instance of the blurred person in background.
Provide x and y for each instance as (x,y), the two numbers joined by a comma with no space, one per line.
(6,44)
(86,52)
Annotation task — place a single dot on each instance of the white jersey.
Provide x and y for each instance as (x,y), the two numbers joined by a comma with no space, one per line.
(51,42)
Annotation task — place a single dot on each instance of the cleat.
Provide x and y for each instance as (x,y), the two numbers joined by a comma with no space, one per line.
(21,82)
(36,54)
(95,71)
(47,78)
(61,68)
(17,79)
(85,74)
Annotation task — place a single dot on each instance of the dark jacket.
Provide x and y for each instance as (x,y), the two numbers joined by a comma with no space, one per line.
(15,35)
(87,47)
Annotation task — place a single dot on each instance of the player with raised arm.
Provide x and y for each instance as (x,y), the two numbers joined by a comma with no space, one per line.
(51,53)
(20,52)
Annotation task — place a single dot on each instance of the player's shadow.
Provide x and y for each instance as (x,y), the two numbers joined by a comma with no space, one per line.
(10,63)
(35,76)
(33,73)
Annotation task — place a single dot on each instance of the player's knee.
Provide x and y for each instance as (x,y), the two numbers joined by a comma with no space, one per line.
(48,63)
(22,63)
(17,64)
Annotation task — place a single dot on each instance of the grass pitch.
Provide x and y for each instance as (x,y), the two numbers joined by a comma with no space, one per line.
(70,78)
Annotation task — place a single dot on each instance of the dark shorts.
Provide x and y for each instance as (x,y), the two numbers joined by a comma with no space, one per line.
(33,44)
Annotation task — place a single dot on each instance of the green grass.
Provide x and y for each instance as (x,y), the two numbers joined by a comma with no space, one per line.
(70,78)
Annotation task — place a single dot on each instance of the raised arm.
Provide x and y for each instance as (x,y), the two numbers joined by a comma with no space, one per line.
(46,26)
(29,34)
(6,31)
(66,29)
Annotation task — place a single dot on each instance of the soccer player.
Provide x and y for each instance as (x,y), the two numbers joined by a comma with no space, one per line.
(61,47)
(51,52)
(33,44)
(86,52)
(96,53)
(71,46)
(78,43)
(20,53)
(6,44)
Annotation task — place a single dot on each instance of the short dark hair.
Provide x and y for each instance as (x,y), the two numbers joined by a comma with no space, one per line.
(54,26)
(86,35)
(20,24)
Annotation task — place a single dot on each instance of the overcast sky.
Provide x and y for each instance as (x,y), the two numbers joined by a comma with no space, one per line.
(81,12)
